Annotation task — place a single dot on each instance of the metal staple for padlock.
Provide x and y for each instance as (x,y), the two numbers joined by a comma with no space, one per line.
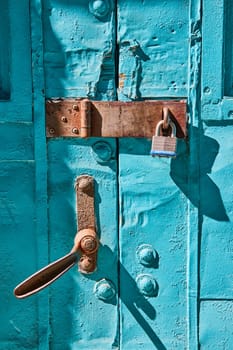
(164,146)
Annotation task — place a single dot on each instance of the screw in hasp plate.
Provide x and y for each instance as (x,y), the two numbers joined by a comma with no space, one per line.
(64,119)
(75,131)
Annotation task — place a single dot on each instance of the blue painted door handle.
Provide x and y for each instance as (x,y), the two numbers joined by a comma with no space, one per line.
(85,244)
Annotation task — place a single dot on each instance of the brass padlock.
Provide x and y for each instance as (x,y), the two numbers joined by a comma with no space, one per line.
(164,146)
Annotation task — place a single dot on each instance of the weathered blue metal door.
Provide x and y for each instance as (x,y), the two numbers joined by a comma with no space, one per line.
(164,276)
(141,211)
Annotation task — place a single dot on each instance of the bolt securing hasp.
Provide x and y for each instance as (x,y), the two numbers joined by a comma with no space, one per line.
(85,247)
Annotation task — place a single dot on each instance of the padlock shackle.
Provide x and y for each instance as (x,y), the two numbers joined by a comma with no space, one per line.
(159,126)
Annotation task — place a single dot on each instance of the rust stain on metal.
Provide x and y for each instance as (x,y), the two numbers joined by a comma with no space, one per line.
(63,118)
(85,202)
(86,239)
(111,119)
(121,80)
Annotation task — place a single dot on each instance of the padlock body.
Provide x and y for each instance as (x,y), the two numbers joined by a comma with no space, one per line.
(163,146)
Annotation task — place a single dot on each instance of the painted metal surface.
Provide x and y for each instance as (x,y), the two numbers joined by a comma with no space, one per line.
(216,210)
(15,66)
(18,248)
(218,333)
(153,45)
(79,50)
(17,217)
(164,277)
(78,318)
(217,63)
(152,211)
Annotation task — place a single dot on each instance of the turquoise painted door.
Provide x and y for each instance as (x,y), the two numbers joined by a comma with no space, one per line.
(139,207)
(164,225)
(17,176)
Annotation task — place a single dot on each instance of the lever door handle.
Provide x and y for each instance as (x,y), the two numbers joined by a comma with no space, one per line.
(84,250)
(45,276)
(85,242)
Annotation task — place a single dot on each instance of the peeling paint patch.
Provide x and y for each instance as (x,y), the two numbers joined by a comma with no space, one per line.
(217,334)
(77,64)
(164,39)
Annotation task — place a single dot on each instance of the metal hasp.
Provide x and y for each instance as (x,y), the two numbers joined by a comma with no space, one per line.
(85,118)
(84,250)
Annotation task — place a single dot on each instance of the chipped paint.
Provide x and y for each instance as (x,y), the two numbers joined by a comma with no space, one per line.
(160,67)
(77,64)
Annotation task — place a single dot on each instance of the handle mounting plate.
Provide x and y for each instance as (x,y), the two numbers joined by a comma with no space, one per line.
(86,239)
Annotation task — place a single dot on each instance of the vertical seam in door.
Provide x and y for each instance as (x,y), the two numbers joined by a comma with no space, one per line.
(118,247)
(200,216)
(117,50)
(194,217)
(38,110)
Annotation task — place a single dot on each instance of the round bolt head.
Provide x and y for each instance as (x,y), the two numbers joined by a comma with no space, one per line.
(102,152)
(99,8)
(89,244)
(146,255)
(85,233)
(75,131)
(147,285)
(87,264)
(64,119)
(104,290)
(85,182)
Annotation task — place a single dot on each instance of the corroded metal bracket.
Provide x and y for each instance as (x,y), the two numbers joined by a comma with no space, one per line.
(86,239)
(85,118)
(84,250)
